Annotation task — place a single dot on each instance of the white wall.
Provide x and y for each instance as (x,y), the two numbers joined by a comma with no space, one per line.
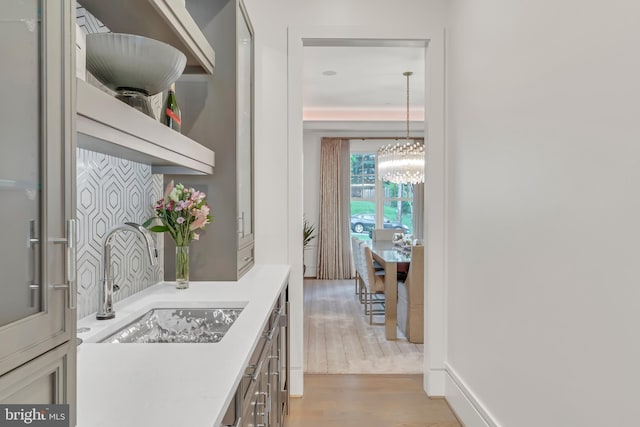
(311,190)
(365,12)
(544,296)
(278,154)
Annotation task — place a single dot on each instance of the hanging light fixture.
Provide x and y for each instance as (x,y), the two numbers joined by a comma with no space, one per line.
(403,161)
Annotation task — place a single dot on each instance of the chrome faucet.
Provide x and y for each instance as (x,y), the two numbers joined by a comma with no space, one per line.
(107,285)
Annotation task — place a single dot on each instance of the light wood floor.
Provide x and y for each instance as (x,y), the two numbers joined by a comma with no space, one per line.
(367,401)
(339,340)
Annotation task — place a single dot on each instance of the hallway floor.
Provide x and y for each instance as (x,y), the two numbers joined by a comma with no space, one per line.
(339,340)
(367,401)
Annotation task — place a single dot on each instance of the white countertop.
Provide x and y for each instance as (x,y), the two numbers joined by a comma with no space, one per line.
(172,385)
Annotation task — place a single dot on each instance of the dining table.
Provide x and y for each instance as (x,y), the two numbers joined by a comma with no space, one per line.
(389,255)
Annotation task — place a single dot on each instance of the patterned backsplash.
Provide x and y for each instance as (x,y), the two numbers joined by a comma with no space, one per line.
(112,191)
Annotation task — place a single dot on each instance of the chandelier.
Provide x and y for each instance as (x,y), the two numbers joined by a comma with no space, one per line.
(403,161)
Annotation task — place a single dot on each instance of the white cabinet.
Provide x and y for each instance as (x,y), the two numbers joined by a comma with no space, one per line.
(37,284)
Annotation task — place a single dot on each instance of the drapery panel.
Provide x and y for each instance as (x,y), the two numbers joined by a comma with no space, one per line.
(334,237)
(418,211)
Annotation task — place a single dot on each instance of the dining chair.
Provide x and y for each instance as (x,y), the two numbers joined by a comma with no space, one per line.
(373,283)
(355,252)
(411,298)
(362,271)
(383,233)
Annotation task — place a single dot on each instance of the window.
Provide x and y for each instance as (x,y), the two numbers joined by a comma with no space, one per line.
(369,197)
(363,193)
(397,205)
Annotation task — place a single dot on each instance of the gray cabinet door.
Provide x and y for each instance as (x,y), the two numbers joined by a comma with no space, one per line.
(36,178)
(39,381)
(244,122)
(44,380)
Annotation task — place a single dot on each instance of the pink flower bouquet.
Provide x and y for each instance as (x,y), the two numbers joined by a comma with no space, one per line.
(182,211)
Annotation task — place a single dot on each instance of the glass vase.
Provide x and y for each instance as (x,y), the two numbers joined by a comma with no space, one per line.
(182,267)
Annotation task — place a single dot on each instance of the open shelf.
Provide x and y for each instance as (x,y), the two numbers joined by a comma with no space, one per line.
(164,20)
(109,126)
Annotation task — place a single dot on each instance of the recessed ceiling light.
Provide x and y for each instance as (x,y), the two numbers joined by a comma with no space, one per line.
(329,73)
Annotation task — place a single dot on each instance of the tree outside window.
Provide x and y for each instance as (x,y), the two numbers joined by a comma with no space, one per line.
(370,196)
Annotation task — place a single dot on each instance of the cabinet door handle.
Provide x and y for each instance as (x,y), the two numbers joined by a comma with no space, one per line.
(241,228)
(266,405)
(247,258)
(273,331)
(32,245)
(254,369)
(70,242)
(71,253)
(258,371)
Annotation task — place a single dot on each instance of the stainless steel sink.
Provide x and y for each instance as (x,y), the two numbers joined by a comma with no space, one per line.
(178,325)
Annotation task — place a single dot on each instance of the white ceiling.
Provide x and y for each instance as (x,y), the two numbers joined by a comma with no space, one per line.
(368,84)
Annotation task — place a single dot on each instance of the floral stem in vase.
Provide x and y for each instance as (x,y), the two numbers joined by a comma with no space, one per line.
(182,213)
(182,267)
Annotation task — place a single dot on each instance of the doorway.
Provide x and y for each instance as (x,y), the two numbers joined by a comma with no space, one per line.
(434,112)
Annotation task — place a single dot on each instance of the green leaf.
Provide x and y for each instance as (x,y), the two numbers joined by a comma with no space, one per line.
(159,228)
(148,222)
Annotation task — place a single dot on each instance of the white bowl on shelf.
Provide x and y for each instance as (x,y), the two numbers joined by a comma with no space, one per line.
(130,62)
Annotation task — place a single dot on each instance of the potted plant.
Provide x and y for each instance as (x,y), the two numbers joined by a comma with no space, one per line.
(308,235)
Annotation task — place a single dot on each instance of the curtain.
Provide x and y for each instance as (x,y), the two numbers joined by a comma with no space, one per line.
(418,211)
(334,238)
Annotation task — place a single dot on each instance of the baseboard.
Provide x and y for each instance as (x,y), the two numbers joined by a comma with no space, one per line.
(311,272)
(433,382)
(464,403)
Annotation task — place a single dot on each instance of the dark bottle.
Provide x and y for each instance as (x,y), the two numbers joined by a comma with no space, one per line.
(171,112)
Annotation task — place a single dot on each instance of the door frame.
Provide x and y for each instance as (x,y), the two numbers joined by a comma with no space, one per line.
(435,190)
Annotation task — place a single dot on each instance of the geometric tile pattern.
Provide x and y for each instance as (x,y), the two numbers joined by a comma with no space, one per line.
(112,191)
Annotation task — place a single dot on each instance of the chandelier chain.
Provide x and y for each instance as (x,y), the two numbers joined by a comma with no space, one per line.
(407,74)
(402,162)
